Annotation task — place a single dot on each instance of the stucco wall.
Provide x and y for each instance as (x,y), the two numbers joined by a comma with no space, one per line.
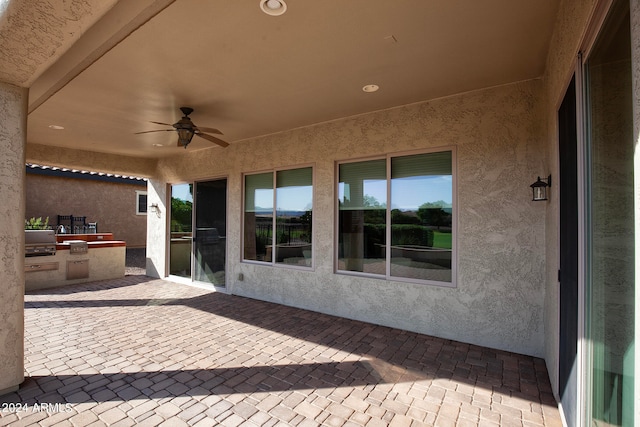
(89,160)
(13,121)
(498,132)
(111,205)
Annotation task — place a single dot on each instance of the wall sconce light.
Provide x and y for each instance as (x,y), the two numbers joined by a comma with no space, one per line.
(153,207)
(540,188)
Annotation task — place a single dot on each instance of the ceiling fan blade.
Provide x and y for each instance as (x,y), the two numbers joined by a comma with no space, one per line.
(160,123)
(213,139)
(210,130)
(159,130)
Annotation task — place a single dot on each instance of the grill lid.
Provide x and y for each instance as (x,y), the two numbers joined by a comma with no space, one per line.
(39,237)
(39,242)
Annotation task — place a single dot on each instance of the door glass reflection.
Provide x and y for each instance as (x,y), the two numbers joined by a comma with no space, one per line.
(181,233)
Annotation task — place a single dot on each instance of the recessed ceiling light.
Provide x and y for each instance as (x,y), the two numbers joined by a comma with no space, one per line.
(370,88)
(56,127)
(273,7)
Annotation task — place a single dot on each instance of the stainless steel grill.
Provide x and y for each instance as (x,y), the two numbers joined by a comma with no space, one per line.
(39,242)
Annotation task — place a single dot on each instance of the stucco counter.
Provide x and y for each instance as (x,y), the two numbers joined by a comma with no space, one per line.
(104,259)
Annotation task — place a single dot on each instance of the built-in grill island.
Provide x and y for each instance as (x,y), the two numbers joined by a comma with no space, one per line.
(53,260)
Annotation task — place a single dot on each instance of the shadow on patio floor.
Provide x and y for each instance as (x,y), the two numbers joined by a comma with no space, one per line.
(123,343)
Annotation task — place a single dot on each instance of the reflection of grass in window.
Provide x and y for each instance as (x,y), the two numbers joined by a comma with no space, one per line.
(441,240)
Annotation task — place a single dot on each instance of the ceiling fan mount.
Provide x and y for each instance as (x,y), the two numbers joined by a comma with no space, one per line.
(187,129)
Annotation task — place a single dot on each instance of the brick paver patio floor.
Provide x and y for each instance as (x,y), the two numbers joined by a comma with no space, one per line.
(139,351)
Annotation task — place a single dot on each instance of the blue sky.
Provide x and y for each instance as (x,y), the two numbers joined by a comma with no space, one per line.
(289,198)
(407,193)
(181,191)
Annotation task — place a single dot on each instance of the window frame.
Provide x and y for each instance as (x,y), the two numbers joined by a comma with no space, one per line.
(274,171)
(138,204)
(454,219)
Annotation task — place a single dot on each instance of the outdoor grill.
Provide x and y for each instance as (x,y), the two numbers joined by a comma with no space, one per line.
(39,242)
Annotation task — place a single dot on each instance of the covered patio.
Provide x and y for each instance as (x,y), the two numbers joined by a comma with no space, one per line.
(370,161)
(182,355)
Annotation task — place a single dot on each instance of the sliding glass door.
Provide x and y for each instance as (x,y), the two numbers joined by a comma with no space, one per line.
(210,238)
(611,229)
(198,230)
(181,230)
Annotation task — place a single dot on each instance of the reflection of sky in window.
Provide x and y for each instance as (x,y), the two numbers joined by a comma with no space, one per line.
(263,198)
(407,193)
(372,187)
(294,198)
(288,198)
(410,193)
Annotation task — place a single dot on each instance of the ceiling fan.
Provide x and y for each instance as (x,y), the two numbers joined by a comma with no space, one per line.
(186,130)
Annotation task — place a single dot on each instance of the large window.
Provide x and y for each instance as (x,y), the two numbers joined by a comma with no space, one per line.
(277,217)
(404,200)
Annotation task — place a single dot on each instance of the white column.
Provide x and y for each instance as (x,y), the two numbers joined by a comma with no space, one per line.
(158,216)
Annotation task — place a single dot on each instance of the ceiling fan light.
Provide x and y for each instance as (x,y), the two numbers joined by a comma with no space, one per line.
(186,130)
(273,7)
(185,135)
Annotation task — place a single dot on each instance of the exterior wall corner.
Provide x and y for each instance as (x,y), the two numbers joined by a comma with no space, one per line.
(13,116)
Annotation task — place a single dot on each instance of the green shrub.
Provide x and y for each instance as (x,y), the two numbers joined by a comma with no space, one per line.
(411,234)
(401,234)
(36,223)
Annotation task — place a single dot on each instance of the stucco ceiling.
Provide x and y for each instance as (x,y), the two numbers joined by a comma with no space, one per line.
(250,74)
